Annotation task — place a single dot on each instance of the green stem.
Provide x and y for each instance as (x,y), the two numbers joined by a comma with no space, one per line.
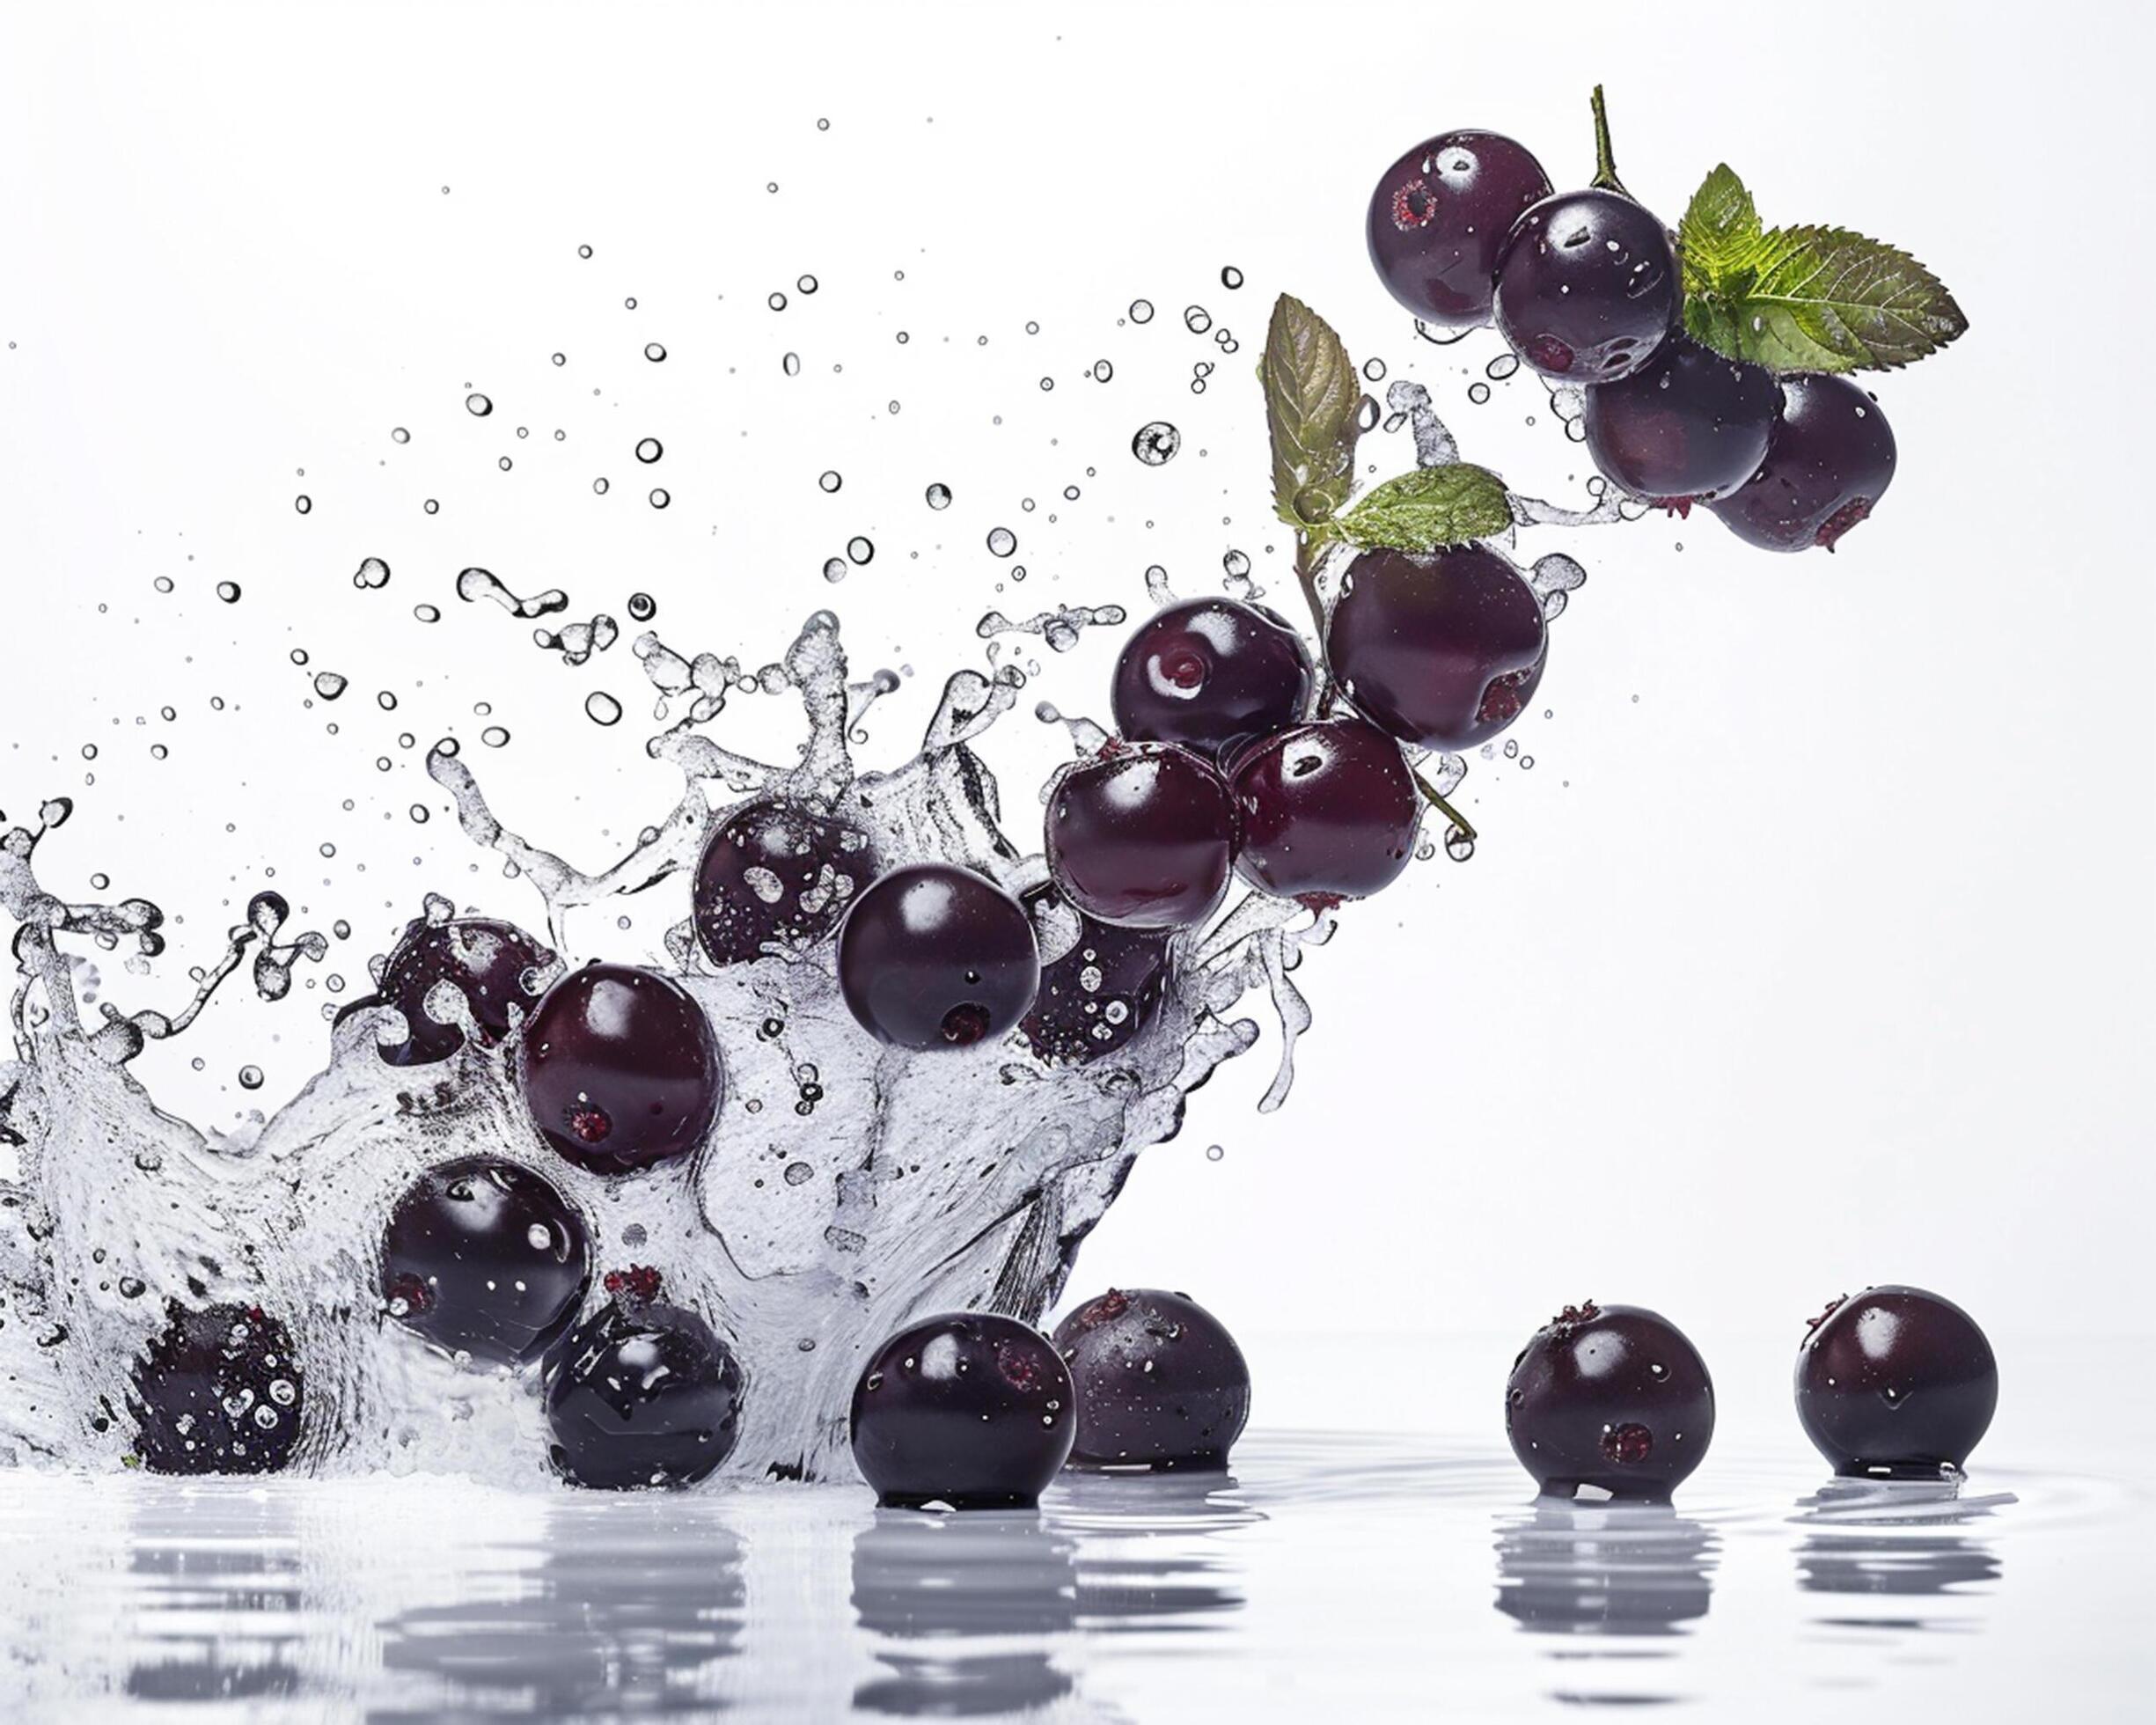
(1308,559)
(1605,162)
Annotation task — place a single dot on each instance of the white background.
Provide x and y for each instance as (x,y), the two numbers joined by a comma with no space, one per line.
(1813,952)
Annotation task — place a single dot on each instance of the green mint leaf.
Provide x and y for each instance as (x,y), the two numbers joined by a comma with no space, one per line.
(1428,508)
(1804,299)
(1311,397)
(1720,227)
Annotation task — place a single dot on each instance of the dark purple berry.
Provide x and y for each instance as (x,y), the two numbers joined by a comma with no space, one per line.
(494,966)
(218,1392)
(1688,426)
(1828,463)
(1439,216)
(620,1069)
(1098,993)
(1142,835)
(485,1259)
(1610,1396)
(1586,286)
(969,1409)
(1328,808)
(1161,1384)
(1895,1383)
(1442,649)
(937,957)
(640,1393)
(1204,673)
(777,874)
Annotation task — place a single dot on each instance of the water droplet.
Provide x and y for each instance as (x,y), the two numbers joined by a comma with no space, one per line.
(939,497)
(1001,541)
(229,592)
(602,708)
(1155,444)
(650,449)
(477,404)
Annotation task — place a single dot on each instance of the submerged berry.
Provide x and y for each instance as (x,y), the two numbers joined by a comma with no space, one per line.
(777,874)
(218,1391)
(499,970)
(1097,992)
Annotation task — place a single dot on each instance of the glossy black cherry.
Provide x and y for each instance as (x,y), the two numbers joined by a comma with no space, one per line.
(1586,286)
(777,874)
(1204,673)
(1161,1384)
(1329,811)
(1686,427)
(1441,216)
(1828,463)
(1895,1383)
(969,1409)
(620,1069)
(496,965)
(1610,1396)
(484,1260)
(933,956)
(1142,835)
(217,1392)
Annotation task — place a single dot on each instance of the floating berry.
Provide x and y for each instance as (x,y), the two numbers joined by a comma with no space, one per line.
(1828,463)
(500,969)
(1441,216)
(969,1409)
(218,1392)
(1328,808)
(1586,286)
(1204,673)
(1096,993)
(937,957)
(1161,1384)
(1442,649)
(1895,1383)
(620,1069)
(1610,1396)
(1143,835)
(777,873)
(641,1393)
(484,1259)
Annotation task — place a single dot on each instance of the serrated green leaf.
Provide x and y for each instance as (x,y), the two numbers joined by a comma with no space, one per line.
(1823,299)
(1720,224)
(1311,397)
(1428,508)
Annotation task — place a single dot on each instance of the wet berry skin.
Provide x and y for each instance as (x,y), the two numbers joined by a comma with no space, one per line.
(1612,1397)
(1329,811)
(1142,835)
(1828,463)
(1161,1384)
(1441,649)
(1097,993)
(1586,286)
(620,1069)
(218,1392)
(1686,426)
(485,1259)
(1204,673)
(969,1409)
(494,964)
(1439,216)
(1895,1383)
(933,956)
(641,1393)
(777,872)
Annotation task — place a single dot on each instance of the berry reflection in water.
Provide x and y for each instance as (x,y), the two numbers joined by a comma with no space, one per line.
(846,1187)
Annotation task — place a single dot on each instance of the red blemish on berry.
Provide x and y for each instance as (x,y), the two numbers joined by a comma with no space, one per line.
(1111,1305)
(1185,670)
(1629,1445)
(639,1282)
(1020,1367)
(1546,353)
(965,1024)
(1413,206)
(1320,901)
(1501,700)
(1833,1306)
(412,1292)
(1572,1317)
(590,1122)
(1680,507)
(1841,520)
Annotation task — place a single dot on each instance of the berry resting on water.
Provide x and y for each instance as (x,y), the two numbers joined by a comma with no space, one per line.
(620,1069)
(1160,1381)
(1329,811)
(1206,672)
(1610,1396)
(933,956)
(1443,649)
(218,1392)
(776,873)
(1142,835)
(1828,463)
(969,1408)
(486,1260)
(1895,1383)
(1440,217)
(640,1393)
